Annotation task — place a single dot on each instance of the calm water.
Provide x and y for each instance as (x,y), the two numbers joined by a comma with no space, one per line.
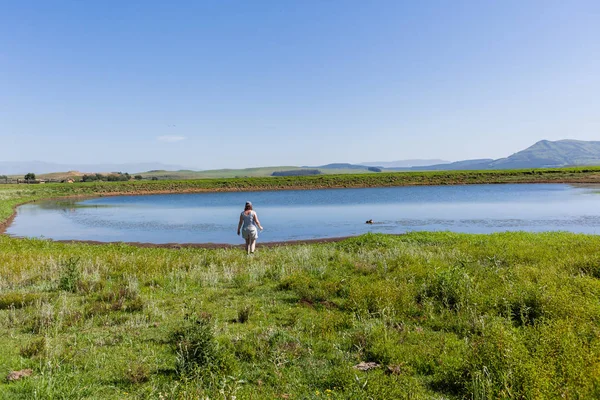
(309,214)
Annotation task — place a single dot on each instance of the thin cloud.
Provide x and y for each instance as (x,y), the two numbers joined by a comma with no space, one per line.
(170,138)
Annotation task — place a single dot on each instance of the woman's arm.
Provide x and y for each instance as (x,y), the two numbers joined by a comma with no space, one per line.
(257,221)
(240,224)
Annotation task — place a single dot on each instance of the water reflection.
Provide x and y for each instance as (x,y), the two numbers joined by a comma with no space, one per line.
(293,215)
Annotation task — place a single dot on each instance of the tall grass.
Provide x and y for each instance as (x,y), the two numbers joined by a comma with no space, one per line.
(443,315)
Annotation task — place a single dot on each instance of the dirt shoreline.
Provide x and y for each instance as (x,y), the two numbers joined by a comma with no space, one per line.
(594,180)
(209,245)
(5,224)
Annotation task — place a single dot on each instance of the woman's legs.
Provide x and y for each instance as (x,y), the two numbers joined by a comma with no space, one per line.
(252,245)
(248,245)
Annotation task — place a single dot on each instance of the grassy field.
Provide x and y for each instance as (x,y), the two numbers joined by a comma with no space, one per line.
(438,176)
(440,315)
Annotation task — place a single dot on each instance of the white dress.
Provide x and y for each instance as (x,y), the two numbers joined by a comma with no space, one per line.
(249,230)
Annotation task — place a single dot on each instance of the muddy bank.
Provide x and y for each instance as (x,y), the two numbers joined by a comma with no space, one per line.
(6,223)
(206,245)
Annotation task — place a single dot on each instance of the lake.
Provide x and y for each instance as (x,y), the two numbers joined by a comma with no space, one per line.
(312,214)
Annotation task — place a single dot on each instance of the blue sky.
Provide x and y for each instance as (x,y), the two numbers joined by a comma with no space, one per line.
(213,84)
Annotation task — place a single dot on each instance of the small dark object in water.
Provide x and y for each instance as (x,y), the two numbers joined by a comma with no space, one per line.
(369,221)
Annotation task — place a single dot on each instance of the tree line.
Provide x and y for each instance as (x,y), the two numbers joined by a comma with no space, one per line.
(115,177)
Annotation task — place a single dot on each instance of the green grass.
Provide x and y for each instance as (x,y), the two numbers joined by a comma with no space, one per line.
(443,315)
(511,315)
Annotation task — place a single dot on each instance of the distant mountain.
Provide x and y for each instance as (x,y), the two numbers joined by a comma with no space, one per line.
(481,163)
(404,163)
(40,167)
(543,154)
(552,154)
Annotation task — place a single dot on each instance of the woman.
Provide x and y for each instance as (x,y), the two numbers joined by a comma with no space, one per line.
(250,221)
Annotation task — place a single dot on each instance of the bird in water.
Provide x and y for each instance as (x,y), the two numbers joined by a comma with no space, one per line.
(369,221)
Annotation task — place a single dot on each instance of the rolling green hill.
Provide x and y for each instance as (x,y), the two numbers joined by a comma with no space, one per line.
(543,154)
(553,154)
(241,173)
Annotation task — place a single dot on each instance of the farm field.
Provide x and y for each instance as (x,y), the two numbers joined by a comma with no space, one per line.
(259,172)
(421,315)
(483,176)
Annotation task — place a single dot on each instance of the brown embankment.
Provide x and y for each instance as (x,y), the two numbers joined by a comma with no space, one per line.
(6,223)
(208,245)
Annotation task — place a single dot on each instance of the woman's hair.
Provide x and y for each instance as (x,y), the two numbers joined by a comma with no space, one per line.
(248,206)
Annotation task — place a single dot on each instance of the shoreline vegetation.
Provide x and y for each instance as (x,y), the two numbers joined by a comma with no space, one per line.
(13,195)
(424,315)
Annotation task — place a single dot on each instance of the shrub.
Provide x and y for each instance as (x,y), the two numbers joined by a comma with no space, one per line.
(70,275)
(34,348)
(377,298)
(196,349)
(526,307)
(137,372)
(448,287)
(497,364)
(122,298)
(44,319)
(589,266)
(113,177)
(244,314)
(245,350)
(308,289)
